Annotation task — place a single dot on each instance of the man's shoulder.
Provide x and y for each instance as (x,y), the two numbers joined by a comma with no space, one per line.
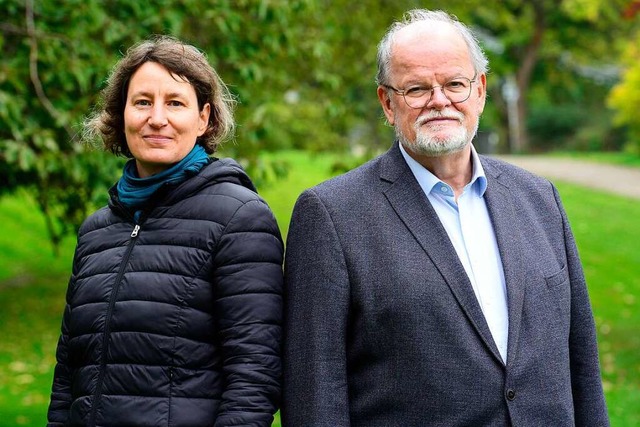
(363,176)
(506,171)
(526,186)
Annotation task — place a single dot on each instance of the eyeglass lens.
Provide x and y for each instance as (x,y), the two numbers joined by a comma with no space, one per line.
(457,90)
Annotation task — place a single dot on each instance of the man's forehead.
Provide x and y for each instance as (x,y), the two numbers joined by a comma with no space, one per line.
(429,45)
(427,33)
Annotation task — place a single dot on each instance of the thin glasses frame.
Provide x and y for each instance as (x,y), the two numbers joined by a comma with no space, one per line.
(432,90)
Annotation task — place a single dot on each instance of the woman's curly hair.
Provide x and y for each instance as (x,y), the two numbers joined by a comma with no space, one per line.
(181,59)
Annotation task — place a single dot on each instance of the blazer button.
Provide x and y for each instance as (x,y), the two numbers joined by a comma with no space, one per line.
(511,394)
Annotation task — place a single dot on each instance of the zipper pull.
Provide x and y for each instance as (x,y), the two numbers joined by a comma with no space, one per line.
(134,233)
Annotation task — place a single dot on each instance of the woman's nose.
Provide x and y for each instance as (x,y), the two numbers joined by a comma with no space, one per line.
(158,116)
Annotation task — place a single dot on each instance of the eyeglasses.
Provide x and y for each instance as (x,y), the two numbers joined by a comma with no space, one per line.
(456,90)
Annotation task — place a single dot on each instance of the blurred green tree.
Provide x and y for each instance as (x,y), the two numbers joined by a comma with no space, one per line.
(57,55)
(625,96)
(554,52)
(302,70)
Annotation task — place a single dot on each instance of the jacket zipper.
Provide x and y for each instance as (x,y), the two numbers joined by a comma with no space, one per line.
(107,326)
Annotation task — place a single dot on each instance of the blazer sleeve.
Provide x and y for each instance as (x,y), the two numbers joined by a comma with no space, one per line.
(248,280)
(316,319)
(586,383)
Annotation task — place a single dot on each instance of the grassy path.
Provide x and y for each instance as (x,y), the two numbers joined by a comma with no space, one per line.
(618,179)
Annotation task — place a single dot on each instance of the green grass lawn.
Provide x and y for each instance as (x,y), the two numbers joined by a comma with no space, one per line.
(33,283)
(607,233)
(32,287)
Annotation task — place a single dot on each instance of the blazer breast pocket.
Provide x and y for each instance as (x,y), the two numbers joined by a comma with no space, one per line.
(557,279)
(559,290)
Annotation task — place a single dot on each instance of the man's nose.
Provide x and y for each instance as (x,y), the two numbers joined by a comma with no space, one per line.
(438,99)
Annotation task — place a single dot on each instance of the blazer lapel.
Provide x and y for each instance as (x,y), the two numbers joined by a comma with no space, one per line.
(500,202)
(412,206)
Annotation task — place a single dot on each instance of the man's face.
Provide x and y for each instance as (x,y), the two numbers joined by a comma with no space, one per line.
(429,57)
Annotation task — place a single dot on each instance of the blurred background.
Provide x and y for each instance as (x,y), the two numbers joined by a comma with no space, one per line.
(564,83)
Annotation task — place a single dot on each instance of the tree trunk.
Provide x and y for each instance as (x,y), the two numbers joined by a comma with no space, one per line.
(523,76)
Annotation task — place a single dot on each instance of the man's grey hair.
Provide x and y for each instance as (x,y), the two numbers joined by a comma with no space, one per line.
(480,61)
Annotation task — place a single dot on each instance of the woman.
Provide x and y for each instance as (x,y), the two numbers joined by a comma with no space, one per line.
(174,304)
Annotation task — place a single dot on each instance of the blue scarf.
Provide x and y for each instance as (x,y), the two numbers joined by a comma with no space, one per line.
(134,192)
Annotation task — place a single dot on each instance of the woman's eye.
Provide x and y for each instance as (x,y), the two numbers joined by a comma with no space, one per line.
(142,102)
(175,103)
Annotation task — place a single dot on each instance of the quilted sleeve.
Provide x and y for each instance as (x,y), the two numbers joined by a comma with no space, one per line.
(60,402)
(248,282)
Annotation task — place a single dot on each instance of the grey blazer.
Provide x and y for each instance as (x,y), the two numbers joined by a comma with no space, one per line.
(382,327)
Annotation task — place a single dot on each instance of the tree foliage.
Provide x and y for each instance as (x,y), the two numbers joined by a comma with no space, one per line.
(57,55)
(558,54)
(302,71)
(625,96)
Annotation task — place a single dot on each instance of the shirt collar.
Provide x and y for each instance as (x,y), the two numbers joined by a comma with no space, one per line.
(427,180)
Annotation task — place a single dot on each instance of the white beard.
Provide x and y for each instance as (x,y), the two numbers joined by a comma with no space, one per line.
(427,144)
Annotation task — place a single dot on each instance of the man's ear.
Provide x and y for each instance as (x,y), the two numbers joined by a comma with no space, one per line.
(385,101)
(482,92)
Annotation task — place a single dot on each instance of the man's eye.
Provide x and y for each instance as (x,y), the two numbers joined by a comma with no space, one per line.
(416,92)
(456,84)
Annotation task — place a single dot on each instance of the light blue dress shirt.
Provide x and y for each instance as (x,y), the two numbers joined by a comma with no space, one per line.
(470,230)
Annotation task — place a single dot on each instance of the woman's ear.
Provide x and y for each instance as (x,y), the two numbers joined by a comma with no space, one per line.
(204,119)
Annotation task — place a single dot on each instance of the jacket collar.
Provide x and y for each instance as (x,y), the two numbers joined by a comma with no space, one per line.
(413,208)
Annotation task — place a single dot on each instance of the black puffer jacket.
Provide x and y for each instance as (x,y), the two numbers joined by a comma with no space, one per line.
(175,321)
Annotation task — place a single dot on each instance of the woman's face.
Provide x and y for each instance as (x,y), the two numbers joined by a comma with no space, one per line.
(161,118)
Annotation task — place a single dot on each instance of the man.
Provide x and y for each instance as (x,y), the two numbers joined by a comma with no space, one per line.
(433,286)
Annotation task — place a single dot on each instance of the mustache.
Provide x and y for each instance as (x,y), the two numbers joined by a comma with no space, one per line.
(453,115)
